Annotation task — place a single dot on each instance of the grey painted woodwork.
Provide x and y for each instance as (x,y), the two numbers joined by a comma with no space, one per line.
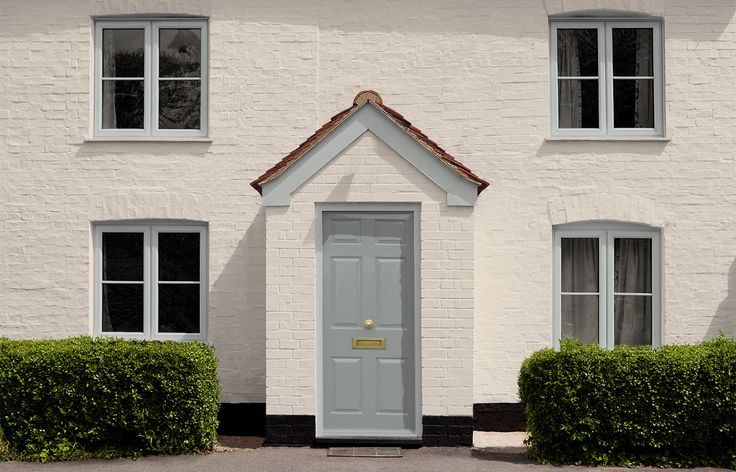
(368,268)
(460,192)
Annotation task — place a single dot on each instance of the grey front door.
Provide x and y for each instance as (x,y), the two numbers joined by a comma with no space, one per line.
(368,330)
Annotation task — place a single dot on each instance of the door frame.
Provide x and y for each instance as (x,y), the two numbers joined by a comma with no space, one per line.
(415,210)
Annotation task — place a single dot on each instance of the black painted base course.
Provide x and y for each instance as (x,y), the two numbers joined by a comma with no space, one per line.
(447,430)
(499,417)
(242,419)
(249,419)
(290,430)
(299,430)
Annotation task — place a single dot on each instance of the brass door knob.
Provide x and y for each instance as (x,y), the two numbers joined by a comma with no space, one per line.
(368,324)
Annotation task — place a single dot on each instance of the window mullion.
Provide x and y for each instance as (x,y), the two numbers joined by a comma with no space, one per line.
(151,267)
(154,281)
(147,82)
(154,77)
(608,77)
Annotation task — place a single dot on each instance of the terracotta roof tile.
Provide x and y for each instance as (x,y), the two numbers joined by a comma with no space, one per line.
(360,100)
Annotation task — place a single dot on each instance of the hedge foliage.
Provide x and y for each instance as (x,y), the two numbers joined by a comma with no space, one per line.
(84,397)
(669,406)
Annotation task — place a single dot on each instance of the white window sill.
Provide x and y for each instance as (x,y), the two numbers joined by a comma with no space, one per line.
(633,139)
(155,139)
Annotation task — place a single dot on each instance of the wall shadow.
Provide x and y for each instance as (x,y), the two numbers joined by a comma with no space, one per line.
(237,323)
(725,316)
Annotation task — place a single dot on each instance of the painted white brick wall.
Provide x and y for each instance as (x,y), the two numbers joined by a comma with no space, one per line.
(446,268)
(473,75)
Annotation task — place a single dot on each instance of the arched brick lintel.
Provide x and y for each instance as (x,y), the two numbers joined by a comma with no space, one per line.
(571,7)
(605,207)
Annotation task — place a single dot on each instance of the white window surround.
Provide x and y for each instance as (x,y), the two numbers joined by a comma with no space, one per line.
(606,130)
(150,131)
(606,233)
(150,231)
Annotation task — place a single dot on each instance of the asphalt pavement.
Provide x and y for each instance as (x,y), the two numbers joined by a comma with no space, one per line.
(297,459)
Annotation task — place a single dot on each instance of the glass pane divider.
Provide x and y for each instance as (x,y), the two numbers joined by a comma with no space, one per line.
(179,282)
(632,77)
(575,77)
(123,78)
(627,294)
(179,78)
(580,293)
(140,282)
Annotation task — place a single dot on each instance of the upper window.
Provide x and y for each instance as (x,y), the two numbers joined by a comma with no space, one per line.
(151,79)
(606,78)
(150,281)
(607,284)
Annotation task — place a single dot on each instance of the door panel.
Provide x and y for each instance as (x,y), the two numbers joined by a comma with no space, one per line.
(390,293)
(368,271)
(349,391)
(391,372)
(347,289)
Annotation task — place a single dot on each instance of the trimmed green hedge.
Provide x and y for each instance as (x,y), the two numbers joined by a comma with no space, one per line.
(84,397)
(670,406)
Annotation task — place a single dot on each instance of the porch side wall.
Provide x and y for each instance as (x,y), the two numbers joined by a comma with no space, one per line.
(446,274)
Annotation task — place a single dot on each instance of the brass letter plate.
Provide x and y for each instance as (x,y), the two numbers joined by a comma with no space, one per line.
(369,343)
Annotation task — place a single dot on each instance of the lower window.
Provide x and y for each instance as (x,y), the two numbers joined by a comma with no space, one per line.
(606,284)
(150,281)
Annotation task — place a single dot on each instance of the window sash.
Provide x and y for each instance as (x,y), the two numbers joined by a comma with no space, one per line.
(554,89)
(150,281)
(202,285)
(606,78)
(606,321)
(151,129)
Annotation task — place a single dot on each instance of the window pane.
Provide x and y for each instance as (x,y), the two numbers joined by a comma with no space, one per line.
(122,104)
(577,52)
(122,52)
(178,308)
(580,317)
(578,103)
(122,308)
(179,52)
(579,264)
(179,104)
(632,320)
(633,52)
(122,256)
(633,103)
(178,256)
(632,266)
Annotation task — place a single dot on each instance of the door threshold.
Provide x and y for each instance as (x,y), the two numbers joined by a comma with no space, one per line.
(409,443)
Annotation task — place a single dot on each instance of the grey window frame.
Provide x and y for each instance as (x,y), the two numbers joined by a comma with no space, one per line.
(606,233)
(605,78)
(150,231)
(150,129)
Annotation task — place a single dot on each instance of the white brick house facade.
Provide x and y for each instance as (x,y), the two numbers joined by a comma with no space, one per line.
(474,76)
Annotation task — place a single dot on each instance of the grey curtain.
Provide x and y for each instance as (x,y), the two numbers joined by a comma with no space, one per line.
(109,117)
(644,109)
(632,274)
(570,100)
(580,275)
